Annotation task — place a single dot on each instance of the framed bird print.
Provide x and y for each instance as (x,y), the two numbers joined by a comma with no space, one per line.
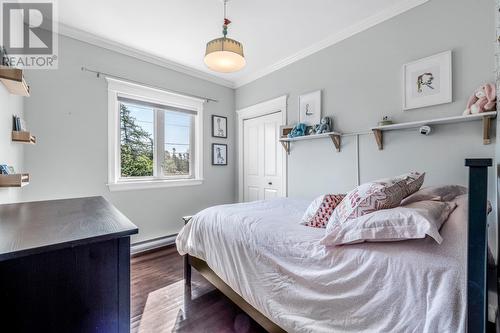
(219,127)
(427,81)
(310,108)
(219,154)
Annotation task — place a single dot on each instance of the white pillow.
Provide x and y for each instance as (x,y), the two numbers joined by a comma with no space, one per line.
(311,210)
(413,221)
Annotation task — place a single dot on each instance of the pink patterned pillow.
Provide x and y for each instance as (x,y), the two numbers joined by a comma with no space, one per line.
(369,197)
(319,211)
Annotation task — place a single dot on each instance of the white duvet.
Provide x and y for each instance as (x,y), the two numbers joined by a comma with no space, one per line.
(262,252)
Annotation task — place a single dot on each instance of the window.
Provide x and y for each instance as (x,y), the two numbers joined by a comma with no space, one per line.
(154,138)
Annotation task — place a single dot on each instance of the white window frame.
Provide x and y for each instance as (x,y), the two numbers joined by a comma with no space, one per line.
(142,93)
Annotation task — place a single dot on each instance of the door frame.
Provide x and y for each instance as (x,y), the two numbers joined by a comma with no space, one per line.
(274,105)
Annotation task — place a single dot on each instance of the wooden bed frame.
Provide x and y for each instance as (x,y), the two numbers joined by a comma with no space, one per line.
(476,259)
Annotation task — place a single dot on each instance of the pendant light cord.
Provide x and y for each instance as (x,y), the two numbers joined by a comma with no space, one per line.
(226,21)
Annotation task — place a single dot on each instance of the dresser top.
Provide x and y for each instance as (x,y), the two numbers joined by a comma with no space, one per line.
(41,226)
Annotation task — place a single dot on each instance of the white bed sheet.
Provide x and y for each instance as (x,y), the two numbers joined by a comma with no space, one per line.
(262,252)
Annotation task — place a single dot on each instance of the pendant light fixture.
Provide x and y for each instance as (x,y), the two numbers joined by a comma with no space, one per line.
(225,55)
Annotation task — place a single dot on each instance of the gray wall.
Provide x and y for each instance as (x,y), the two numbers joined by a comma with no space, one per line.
(361,81)
(10,153)
(68,113)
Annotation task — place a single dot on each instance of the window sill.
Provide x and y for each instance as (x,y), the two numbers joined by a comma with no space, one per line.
(152,184)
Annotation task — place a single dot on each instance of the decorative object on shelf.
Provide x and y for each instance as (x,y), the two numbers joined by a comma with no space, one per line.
(5,169)
(219,127)
(4,57)
(427,81)
(310,130)
(483,100)
(386,120)
(324,126)
(219,154)
(310,108)
(224,55)
(298,130)
(18,124)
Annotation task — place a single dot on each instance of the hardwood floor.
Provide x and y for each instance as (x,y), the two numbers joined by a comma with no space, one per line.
(157,292)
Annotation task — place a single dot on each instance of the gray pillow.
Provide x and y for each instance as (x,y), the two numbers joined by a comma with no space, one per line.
(436,193)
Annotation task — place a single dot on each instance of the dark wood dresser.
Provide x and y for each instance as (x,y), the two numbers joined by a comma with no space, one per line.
(64,267)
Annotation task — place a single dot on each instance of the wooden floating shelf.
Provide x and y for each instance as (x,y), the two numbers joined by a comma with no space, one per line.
(23,137)
(13,80)
(334,136)
(14,180)
(485,116)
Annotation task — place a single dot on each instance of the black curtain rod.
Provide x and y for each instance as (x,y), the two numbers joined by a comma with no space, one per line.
(98,73)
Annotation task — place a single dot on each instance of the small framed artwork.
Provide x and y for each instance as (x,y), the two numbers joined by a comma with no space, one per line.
(219,127)
(310,108)
(219,154)
(427,81)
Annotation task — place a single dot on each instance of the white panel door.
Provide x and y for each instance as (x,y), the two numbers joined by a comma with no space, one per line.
(262,158)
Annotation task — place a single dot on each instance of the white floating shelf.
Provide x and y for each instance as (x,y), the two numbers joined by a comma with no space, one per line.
(310,137)
(485,116)
(438,121)
(334,136)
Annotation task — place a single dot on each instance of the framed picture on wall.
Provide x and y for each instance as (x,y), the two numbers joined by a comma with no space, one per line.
(219,154)
(310,108)
(219,127)
(427,81)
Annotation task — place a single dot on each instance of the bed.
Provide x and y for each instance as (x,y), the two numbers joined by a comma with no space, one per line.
(260,252)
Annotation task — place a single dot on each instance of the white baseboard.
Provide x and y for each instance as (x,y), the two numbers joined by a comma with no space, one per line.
(152,244)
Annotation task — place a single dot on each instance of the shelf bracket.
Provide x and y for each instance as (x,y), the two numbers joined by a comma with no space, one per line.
(379,137)
(486,130)
(336,141)
(286,146)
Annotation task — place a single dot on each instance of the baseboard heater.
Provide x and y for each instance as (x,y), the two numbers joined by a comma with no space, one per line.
(152,244)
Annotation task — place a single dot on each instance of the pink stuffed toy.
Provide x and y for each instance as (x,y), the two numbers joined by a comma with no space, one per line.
(483,100)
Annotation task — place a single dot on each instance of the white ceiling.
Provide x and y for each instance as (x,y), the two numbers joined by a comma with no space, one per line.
(274,32)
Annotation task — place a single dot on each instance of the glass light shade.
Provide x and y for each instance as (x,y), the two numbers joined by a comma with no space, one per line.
(224,55)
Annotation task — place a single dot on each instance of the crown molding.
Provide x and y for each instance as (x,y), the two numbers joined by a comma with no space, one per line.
(350,31)
(105,43)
